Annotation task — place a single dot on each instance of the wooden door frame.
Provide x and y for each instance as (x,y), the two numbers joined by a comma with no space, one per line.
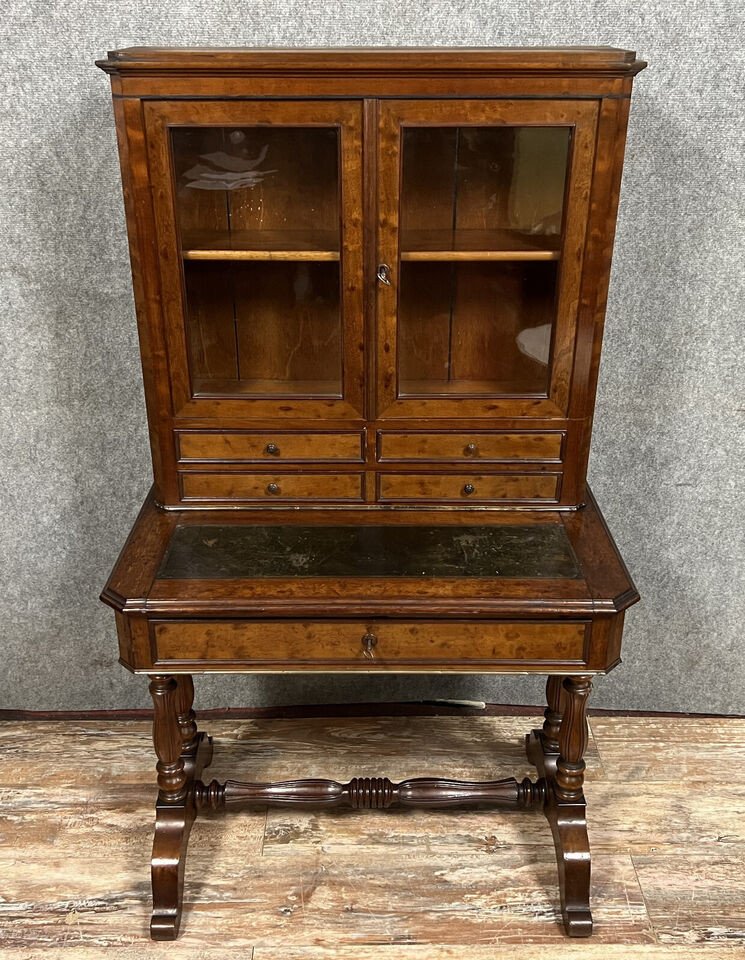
(346,115)
(582,117)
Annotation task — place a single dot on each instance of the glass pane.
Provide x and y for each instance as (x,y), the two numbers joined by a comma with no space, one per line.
(258,219)
(481,234)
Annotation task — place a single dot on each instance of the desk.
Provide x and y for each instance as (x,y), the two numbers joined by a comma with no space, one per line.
(355,592)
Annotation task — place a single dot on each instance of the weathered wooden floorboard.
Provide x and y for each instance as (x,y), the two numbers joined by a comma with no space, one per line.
(569,951)
(670,749)
(76,822)
(695,899)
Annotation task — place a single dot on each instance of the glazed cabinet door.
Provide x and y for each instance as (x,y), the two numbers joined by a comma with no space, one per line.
(483,206)
(258,217)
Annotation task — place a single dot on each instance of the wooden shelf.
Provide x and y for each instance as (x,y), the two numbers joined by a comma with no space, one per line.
(454,245)
(266,388)
(309,245)
(471,388)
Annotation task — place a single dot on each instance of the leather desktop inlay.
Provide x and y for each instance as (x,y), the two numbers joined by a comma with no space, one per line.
(222,551)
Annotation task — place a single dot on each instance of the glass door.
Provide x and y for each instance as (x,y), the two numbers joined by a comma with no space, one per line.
(258,215)
(482,226)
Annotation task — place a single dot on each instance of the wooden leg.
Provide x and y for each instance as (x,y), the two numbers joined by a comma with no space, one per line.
(187,719)
(182,755)
(557,750)
(553,714)
(566,810)
(542,745)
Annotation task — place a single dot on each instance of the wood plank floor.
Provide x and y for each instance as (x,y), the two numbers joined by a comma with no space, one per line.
(667,826)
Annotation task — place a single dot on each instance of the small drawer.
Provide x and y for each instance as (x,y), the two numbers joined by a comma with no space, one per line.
(465,488)
(249,447)
(271,488)
(369,645)
(474,446)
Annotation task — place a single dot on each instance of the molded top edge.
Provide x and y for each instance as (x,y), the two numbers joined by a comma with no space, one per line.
(352,59)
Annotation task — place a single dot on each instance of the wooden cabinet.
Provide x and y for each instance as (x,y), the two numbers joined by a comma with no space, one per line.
(376,250)
(370,290)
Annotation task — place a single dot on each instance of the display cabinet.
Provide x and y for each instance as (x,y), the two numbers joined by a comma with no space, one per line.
(370,290)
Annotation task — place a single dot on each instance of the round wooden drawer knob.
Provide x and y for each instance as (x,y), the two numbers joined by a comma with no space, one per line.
(471,450)
(272,488)
(272,449)
(468,489)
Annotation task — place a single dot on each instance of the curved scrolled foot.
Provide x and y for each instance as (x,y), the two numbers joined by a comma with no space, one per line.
(173,822)
(172,828)
(569,829)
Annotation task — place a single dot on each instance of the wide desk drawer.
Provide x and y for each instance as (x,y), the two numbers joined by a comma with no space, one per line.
(464,487)
(267,447)
(268,487)
(459,646)
(433,446)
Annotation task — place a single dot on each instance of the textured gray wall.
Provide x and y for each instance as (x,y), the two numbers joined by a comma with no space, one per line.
(667,463)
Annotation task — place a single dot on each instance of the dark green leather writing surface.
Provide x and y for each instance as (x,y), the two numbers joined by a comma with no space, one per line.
(228,551)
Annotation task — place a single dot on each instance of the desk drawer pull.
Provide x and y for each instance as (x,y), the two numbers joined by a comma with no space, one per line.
(468,489)
(369,642)
(471,450)
(273,488)
(272,449)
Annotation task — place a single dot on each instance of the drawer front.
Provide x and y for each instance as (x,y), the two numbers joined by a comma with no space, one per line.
(466,447)
(356,645)
(465,488)
(268,487)
(267,447)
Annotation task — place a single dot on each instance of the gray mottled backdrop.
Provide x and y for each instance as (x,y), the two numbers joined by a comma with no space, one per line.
(667,462)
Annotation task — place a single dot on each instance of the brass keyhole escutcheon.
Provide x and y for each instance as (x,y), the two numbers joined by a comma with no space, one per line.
(369,642)
(468,489)
(471,449)
(272,449)
(272,488)
(384,274)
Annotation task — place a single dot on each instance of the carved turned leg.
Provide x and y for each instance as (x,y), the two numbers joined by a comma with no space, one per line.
(552,714)
(187,719)
(566,810)
(557,750)
(167,739)
(182,754)
(542,746)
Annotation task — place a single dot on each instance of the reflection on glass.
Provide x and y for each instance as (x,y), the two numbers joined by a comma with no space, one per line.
(481,235)
(257,211)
